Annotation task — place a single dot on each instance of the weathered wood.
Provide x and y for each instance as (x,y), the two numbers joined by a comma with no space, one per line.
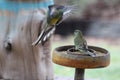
(65,57)
(19,60)
(79,74)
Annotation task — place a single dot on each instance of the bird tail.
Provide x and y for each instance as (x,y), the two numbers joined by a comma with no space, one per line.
(39,38)
(44,35)
(91,54)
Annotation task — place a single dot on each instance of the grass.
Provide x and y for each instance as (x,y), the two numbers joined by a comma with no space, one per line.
(112,72)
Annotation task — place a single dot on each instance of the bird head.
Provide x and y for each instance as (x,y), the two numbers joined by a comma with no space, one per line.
(56,13)
(77,32)
(55,10)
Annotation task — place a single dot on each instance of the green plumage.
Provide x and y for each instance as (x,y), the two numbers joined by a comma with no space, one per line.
(81,44)
(55,15)
(79,41)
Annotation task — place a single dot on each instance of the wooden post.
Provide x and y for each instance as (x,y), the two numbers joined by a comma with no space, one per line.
(79,74)
(19,60)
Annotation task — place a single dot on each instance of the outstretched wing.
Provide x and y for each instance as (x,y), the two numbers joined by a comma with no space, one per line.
(68,10)
(44,35)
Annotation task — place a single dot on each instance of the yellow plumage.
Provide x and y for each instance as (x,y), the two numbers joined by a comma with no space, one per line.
(54,21)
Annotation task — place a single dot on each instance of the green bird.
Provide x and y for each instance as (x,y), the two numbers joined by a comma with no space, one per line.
(81,44)
(55,15)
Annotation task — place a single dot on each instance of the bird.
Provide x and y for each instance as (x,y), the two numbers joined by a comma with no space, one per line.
(55,15)
(81,44)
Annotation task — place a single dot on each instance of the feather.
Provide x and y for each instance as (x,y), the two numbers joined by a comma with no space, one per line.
(44,36)
(67,12)
(39,38)
(56,14)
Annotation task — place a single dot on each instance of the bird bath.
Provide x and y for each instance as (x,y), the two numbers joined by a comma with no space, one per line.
(63,57)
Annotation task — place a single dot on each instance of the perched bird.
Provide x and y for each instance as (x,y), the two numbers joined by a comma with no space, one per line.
(55,15)
(81,44)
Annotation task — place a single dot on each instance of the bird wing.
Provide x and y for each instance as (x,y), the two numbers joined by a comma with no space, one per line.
(80,43)
(47,35)
(77,42)
(44,35)
(67,12)
(85,45)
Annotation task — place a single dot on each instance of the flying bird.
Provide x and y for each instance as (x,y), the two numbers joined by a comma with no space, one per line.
(55,15)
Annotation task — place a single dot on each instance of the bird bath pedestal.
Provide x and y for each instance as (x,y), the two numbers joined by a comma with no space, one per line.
(62,57)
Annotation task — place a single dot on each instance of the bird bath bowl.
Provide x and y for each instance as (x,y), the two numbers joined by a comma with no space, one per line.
(65,57)
(76,52)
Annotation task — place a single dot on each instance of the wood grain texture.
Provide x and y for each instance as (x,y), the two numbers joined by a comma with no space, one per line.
(19,60)
(79,74)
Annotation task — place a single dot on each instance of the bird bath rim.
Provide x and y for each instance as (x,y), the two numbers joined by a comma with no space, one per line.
(61,57)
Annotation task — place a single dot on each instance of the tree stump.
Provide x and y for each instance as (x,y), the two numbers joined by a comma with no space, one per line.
(19,60)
